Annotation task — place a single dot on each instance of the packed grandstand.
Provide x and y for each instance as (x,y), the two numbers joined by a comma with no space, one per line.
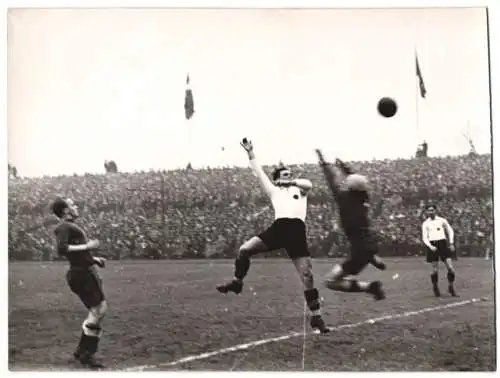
(208,213)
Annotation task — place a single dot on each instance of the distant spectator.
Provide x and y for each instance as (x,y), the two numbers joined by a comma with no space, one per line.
(422,150)
(110,166)
(12,171)
(210,212)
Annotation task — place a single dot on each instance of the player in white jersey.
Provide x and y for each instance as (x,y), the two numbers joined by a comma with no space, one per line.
(438,237)
(288,231)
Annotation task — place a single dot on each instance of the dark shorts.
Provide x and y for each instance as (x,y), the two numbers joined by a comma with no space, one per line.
(443,251)
(288,234)
(87,285)
(363,247)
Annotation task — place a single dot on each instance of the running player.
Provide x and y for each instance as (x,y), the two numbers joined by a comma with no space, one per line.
(438,237)
(288,231)
(350,191)
(82,277)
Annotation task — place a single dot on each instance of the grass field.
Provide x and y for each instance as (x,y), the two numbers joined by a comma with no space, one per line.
(161,312)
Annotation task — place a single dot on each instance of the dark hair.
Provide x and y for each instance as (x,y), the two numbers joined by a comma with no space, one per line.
(58,207)
(431,206)
(277,172)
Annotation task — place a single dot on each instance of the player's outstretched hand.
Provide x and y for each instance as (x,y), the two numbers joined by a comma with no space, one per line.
(320,157)
(100,261)
(247,145)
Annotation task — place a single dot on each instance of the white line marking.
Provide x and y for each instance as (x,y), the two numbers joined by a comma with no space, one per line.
(253,344)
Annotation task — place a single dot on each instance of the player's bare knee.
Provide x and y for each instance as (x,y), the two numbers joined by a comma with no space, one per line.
(244,252)
(449,265)
(248,249)
(103,308)
(96,314)
(245,248)
(334,276)
(252,247)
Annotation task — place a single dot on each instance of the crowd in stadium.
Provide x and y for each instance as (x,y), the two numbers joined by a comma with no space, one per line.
(210,212)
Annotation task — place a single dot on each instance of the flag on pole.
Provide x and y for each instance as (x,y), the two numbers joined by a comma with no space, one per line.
(423,91)
(188,101)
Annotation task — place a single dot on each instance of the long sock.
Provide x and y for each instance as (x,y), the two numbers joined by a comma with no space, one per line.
(434,279)
(81,344)
(90,338)
(348,286)
(451,277)
(93,344)
(89,345)
(241,267)
(312,300)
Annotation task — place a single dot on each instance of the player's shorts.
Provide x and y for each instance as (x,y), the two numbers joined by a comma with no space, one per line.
(443,251)
(363,247)
(289,234)
(87,285)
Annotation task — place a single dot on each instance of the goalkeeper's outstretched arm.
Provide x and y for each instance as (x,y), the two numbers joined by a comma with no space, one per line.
(330,175)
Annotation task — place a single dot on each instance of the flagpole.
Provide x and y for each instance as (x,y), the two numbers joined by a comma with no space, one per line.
(489,74)
(188,144)
(417,109)
(417,94)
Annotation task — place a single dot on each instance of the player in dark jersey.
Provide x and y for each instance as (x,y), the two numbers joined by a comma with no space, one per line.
(82,277)
(350,191)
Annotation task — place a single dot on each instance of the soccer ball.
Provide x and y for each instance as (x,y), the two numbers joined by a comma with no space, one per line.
(387,107)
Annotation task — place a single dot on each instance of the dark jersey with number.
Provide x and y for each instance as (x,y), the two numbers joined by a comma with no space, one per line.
(68,233)
(353,209)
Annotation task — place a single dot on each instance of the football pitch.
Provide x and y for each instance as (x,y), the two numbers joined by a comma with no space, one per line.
(167,315)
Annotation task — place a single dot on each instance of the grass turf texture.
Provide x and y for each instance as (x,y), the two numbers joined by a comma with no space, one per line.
(163,311)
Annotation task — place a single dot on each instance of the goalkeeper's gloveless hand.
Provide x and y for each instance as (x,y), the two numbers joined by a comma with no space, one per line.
(320,157)
(100,261)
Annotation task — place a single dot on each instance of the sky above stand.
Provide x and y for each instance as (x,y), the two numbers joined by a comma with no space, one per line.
(89,85)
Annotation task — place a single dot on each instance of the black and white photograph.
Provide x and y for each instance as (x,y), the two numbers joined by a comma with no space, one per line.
(250,189)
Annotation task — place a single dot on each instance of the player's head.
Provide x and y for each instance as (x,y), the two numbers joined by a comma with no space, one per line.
(65,208)
(431,211)
(356,182)
(282,173)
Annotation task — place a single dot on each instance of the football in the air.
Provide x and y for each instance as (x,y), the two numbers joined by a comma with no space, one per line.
(387,107)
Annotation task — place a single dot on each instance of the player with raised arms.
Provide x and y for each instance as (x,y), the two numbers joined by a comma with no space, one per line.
(82,277)
(288,231)
(350,192)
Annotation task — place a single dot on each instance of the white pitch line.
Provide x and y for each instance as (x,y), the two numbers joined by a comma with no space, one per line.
(253,344)
(304,342)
